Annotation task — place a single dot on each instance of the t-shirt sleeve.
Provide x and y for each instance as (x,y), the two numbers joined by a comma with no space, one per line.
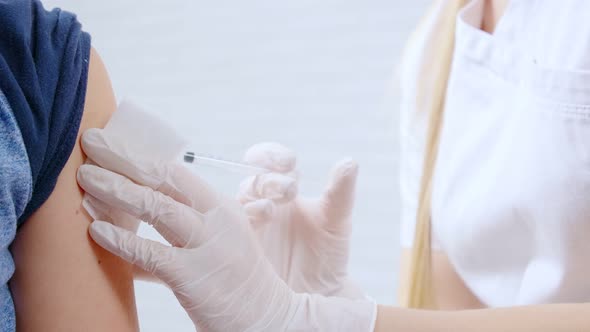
(44,58)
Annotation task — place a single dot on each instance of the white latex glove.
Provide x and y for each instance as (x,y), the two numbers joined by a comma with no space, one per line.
(306,240)
(101,211)
(215,265)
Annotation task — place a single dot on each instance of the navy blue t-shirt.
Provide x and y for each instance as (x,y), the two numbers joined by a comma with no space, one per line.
(44,59)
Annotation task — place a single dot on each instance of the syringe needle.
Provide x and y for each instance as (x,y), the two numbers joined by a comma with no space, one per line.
(232,166)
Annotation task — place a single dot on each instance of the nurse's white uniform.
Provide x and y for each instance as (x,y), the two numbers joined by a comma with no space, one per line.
(511,195)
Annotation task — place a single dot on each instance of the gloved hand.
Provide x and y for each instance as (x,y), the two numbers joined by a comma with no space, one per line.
(101,211)
(306,240)
(215,266)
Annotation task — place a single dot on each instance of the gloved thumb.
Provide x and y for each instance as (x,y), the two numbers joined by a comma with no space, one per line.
(145,254)
(338,199)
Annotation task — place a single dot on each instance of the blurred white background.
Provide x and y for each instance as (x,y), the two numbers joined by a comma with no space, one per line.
(314,75)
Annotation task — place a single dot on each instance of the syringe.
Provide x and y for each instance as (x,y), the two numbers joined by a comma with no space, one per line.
(229,165)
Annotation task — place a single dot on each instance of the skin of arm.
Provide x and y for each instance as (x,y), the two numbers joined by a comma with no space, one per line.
(63,280)
(537,318)
(460,311)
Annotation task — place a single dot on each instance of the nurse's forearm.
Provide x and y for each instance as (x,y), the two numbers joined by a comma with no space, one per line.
(540,318)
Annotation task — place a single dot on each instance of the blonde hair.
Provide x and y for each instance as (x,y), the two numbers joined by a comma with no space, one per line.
(433,77)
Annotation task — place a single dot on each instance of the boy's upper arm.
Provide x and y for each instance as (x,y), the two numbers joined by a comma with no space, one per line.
(63,280)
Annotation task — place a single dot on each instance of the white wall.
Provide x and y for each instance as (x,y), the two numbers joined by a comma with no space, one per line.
(314,75)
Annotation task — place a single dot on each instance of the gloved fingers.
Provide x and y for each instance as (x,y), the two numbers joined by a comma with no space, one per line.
(272,156)
(98,147)
(259,212)
(177,223)
(146,254)
(101,211)
(186,187)
(273,186)
(338,198)
(170,178)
